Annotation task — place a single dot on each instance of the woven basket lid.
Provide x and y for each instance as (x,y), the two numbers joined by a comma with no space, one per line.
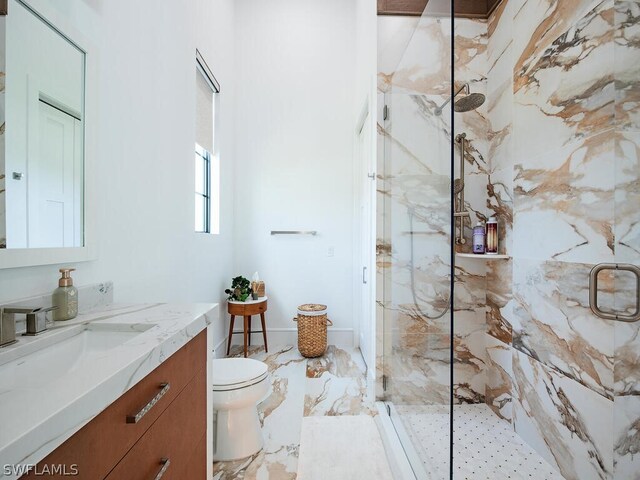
(312,307)
(312,310)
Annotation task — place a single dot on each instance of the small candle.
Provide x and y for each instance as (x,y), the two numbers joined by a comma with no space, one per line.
(492,236)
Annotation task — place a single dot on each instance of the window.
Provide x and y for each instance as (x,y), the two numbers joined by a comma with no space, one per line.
(207,165)
(203,190)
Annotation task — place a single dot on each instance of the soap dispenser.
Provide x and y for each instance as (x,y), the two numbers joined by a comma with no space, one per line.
(65,297)
(479,238)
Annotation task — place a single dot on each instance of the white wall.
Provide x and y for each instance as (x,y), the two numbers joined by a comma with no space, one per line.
(295,136)
(292,88)
(145,160)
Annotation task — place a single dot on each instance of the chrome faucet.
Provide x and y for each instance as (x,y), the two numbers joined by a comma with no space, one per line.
(36,322)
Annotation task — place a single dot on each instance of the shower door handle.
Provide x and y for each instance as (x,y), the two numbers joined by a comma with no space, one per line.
(364,275)
(593,292)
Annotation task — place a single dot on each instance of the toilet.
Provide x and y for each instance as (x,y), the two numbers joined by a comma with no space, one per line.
(239,384)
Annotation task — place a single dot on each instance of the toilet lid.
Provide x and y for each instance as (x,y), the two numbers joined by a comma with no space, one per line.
(232,373)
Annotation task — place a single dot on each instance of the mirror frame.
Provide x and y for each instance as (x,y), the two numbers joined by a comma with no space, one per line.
(29,257)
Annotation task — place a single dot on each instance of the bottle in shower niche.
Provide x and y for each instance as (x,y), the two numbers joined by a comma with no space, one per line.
(478,239)
(65,297)
(492,236)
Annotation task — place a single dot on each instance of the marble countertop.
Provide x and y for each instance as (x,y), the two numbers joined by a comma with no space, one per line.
(35,419)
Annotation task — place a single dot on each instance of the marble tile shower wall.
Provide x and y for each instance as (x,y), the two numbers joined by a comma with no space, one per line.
(413,196)
(564,138)
(470,50)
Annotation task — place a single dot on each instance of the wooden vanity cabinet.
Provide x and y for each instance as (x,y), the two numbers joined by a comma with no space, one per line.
(172,431)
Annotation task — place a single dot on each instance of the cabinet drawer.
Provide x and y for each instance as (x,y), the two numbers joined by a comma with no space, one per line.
(175,438)
(98,446)
(261,307)
(241,309)
(196,467)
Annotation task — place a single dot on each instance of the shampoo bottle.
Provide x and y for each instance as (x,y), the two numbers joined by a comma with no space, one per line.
(478,239)
(65,297)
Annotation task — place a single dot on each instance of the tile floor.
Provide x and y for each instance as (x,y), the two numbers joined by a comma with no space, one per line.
(331,385)
(485,446)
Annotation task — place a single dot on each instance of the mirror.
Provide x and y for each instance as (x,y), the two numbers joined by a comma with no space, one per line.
(42,146)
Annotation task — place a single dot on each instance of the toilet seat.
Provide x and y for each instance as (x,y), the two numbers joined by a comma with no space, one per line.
(237,373)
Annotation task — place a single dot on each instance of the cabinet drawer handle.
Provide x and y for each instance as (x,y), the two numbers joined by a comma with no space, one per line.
(164,388)
(165,462)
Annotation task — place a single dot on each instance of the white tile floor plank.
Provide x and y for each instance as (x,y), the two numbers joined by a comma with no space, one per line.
(342,448)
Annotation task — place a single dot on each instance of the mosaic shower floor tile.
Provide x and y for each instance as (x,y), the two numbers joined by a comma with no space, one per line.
(485,446)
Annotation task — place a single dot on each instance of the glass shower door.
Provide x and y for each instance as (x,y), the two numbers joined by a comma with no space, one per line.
(626,401)
(417,281)
(626,377)
(414,245)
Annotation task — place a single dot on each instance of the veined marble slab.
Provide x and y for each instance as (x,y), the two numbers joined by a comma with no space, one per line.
(36,418)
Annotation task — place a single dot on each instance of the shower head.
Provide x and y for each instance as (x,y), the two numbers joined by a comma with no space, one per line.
(469,102)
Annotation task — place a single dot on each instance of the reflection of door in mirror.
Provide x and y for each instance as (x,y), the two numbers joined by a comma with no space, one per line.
(44,138)
(54,183)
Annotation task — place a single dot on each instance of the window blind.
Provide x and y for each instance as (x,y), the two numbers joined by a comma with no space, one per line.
(204,112)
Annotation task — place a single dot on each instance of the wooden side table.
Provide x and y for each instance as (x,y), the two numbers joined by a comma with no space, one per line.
(247,310)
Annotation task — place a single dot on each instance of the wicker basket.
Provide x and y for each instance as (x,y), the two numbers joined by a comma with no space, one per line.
(312,329)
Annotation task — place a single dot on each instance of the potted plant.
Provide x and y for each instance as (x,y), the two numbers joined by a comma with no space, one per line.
(240,289)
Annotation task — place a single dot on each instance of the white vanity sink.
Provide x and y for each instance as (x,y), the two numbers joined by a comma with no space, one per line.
(52,384)
(40,361)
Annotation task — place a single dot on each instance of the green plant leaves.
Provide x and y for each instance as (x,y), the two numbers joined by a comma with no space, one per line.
(240,289)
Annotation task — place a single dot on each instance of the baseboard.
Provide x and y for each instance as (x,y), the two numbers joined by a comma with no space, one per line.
(277,337)
(220,350)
